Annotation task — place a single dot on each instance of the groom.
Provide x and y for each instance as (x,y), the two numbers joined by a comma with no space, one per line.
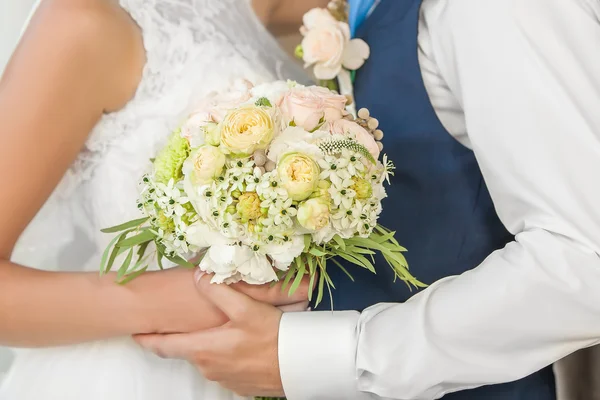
(470,93)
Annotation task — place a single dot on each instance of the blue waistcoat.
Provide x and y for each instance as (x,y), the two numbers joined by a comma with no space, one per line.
(438,203)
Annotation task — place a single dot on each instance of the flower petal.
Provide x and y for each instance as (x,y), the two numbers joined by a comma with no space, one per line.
(355,54)
(325,72)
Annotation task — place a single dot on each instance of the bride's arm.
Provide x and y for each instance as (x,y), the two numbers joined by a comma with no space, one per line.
(283,17)
(75,63)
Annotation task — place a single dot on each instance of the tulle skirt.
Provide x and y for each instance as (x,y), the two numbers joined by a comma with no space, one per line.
(106,370)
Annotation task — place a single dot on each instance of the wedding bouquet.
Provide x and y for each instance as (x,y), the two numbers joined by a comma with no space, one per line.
(264,183)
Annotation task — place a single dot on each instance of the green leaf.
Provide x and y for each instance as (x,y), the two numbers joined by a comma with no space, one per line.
(125,266)
(340,242)
(301,269)
(131,224)
(128,278)
(316,252)
(320,289)
(143,237)
(380,238)
(160,252)
(307,243)
(359,250)
(107,262)
(359,260)
(288,277)
(104,259)
(312,271)
(180,261)
(340,266)
(263,102)
(142,250)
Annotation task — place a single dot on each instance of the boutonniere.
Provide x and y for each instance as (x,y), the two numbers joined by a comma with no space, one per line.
(328,48)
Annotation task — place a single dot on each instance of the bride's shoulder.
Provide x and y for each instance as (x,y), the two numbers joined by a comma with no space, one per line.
(96,35)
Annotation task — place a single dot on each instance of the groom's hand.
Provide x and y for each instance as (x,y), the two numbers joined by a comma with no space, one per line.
(241,355)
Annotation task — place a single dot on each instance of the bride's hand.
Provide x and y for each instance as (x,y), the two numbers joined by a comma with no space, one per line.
(178,306)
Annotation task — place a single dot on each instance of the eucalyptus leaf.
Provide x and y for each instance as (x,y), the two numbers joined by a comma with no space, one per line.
(180,261)
(131,224)
(107,251)
(128,278)
(143,237)
(125,266)
(116,251)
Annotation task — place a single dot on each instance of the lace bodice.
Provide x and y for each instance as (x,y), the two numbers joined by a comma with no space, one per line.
(192,48)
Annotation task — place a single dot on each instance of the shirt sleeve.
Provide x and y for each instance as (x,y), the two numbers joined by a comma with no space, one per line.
(526,78)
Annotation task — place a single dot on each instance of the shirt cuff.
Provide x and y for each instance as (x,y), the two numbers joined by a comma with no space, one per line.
(317,355)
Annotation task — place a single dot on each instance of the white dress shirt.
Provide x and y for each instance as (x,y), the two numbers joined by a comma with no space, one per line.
(518,81)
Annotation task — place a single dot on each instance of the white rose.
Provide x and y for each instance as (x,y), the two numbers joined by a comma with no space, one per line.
(193,128)
(328,46)
(257,270)
(317,17)
(284,254)
(223,260)
(272,91)
(202,236)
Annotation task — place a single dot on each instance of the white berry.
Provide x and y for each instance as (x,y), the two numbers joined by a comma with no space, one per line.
(363,113)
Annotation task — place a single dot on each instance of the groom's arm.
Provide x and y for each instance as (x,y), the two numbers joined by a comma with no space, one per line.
(526,74)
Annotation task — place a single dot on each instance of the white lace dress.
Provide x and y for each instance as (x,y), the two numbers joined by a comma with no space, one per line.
(193,47)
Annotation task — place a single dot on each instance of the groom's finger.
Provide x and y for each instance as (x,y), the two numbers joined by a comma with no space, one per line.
(235,305)
(180,345)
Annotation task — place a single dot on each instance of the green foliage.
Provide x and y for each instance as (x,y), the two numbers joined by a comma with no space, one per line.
(263,102)
(333,146)
(357,251)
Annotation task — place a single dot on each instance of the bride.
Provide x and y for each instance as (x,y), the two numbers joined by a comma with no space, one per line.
(91,92)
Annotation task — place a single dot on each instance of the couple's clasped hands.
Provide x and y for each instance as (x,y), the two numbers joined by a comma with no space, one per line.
(240,352)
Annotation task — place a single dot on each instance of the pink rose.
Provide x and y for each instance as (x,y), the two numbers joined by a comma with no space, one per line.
(212,110)
(307,106)
(352,129)
(220,104)
(327,45)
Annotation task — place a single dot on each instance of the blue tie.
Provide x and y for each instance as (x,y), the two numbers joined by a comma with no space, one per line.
(359,9)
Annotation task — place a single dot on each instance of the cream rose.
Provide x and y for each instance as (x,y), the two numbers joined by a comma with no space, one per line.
(314,214)
(352,129)
(327,45)
(299,175)
(308,106)
(203,165)
(247,129)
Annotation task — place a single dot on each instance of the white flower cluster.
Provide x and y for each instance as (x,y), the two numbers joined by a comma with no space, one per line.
(260,174)
(170,214)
